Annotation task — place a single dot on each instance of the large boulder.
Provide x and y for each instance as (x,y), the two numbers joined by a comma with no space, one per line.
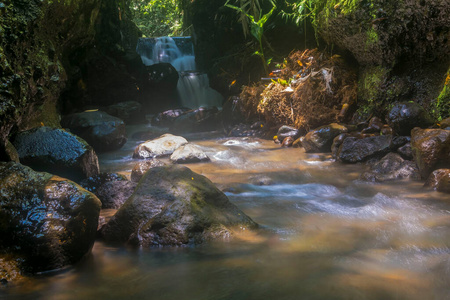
(355,150)
(392,167)
(439,180)
(48,222)
(405,116)
(173,206)
(431,149)
(112,189)
(102,131)
(188,153)
(321,139)
(163,146)
(141,167)
(130,112)
(56,151)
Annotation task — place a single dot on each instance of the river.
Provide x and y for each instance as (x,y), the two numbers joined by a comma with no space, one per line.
(324,235)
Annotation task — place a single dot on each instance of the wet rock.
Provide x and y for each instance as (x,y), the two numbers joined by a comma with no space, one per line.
(163,146)
(163,75)
(232,113)
(399,141)
(111,188)
(130,112)
(244,130)
(198,120)
(102,131)
(297,143)
(375,126)
(321,139)
(287,131)
(406,151)
(439,180)
(287,142)
(56,151)
(166,118)
(8,152)
(405,116)
(47,221)
(141,167)
(445,124)
(355,150)
(159,87)
(386,130)
(431,149)
(10,269)
(188,153)
(337,142)
(392,167)
(173,206)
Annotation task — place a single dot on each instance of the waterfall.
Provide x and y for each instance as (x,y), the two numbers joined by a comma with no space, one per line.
(193,86)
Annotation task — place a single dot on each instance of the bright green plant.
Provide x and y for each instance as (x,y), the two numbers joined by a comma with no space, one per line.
(257,30)
(251,7)
(157,17)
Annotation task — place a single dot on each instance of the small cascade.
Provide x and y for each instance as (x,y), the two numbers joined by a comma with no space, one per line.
(193,86)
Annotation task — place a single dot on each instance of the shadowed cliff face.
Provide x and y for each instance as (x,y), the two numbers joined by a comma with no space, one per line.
(47,46)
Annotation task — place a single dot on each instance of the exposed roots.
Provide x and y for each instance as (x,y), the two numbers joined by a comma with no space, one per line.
(310,91)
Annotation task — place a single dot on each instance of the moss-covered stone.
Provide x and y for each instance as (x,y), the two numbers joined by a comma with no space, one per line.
(43,47)
(400,47)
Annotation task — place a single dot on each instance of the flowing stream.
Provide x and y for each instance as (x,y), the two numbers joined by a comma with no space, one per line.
(324,235)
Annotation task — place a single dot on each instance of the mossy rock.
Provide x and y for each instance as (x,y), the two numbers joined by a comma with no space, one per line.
(173,206)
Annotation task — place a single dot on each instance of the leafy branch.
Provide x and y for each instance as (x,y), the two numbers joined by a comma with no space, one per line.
(257,29)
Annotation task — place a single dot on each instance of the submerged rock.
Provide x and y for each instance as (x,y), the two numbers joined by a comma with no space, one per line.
(173,206)
(355,150)
(141,167)
(431,149)
(439,180)
(167,118)
(405,116)
(198,120)
(188,153)
(111,188)
(102,131)
(162,146)
(392,167)
(56,151)
(48,222)
(321,139)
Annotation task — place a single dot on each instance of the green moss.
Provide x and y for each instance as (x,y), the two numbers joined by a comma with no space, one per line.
(372,37)
(443,100)
(371,82)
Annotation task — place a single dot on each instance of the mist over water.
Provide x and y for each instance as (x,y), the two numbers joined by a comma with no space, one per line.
(324,235)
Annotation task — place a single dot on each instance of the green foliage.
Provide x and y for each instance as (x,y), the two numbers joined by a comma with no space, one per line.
(157,17)
(248,7)
(257,30)
(299,10)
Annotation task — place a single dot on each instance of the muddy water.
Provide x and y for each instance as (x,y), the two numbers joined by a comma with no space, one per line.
(324,235)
